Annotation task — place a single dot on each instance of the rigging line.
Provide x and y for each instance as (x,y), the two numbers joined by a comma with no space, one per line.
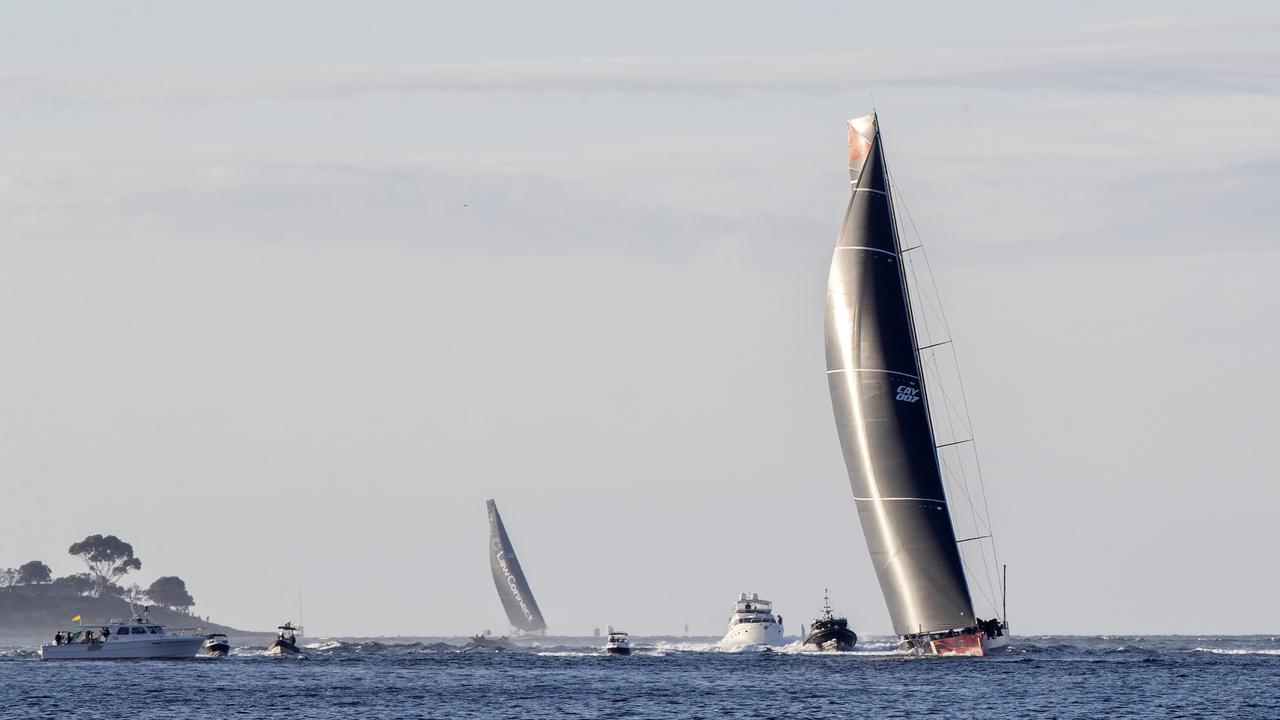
(957,442)
(975,537)
(934,345)
(955,358)
(985,585)
(951,406)
(946,326)
(920,243)
(977,459)
(925,300)
(948,404)
(962,481)
(982,523)
(893,181)
(953,412)
(962,409)
(963,487)
(964,399)
(958,483)
(964,565)
(934,282)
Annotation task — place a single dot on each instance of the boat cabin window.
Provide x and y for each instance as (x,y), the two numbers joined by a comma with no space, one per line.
(123,631)
(154,630)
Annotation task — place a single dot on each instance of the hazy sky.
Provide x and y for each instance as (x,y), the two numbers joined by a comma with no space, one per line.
(287,292)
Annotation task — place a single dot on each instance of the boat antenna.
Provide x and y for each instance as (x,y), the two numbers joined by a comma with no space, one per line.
(1004,593)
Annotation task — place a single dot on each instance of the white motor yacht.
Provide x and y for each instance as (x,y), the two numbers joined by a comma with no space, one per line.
(752,623)
(116,640)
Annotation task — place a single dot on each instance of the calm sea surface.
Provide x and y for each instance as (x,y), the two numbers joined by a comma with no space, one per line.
(1040,677)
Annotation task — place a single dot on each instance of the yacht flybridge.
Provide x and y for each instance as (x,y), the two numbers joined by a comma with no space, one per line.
(876,375)
(117,640)
(752,623)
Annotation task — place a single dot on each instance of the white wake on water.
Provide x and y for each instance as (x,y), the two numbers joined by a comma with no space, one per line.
(1239,651)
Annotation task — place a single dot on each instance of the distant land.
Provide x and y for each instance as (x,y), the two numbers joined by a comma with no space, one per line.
(34,605)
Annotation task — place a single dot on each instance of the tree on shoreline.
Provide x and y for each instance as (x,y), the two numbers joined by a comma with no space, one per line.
(34,573)
(74,585)
(171,591)
(108,558)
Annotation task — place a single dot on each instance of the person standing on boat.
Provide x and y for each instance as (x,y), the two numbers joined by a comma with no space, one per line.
(57,639)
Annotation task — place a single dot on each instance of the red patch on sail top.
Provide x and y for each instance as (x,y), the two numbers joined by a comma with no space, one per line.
(858,145)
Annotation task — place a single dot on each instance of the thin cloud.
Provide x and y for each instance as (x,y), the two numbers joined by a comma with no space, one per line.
(1225,56)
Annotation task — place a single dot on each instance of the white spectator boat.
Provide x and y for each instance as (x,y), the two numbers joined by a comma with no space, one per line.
(752,623)
(137,639)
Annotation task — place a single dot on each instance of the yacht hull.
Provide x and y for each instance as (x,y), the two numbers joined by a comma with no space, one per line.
(747,634)
(618,650)
(163,648)
(282,648)
(975,644)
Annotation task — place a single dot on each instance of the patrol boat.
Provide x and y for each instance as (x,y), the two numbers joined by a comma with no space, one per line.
(137,639)
(752,623)
(829,632)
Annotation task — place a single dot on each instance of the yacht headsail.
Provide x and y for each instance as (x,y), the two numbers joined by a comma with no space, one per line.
(513,588)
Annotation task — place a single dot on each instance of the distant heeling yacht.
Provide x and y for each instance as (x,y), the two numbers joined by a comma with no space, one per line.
(513,589)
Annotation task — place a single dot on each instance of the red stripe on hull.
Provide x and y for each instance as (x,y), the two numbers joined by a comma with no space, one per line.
(959,645)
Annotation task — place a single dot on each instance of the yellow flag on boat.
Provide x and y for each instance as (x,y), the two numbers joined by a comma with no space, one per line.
(75,619)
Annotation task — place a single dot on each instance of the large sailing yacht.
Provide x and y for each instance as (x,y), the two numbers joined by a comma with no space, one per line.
(882,417)
(513,589)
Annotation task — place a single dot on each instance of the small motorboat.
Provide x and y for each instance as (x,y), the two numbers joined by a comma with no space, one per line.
(215,645)
(286,642)
(830,632)
(618,643)
(486,641)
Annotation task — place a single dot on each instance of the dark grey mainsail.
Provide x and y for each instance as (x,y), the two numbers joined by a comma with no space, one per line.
(882,417)
(513,589)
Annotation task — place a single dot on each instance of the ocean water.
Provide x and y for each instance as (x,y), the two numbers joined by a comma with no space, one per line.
(1037,677)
